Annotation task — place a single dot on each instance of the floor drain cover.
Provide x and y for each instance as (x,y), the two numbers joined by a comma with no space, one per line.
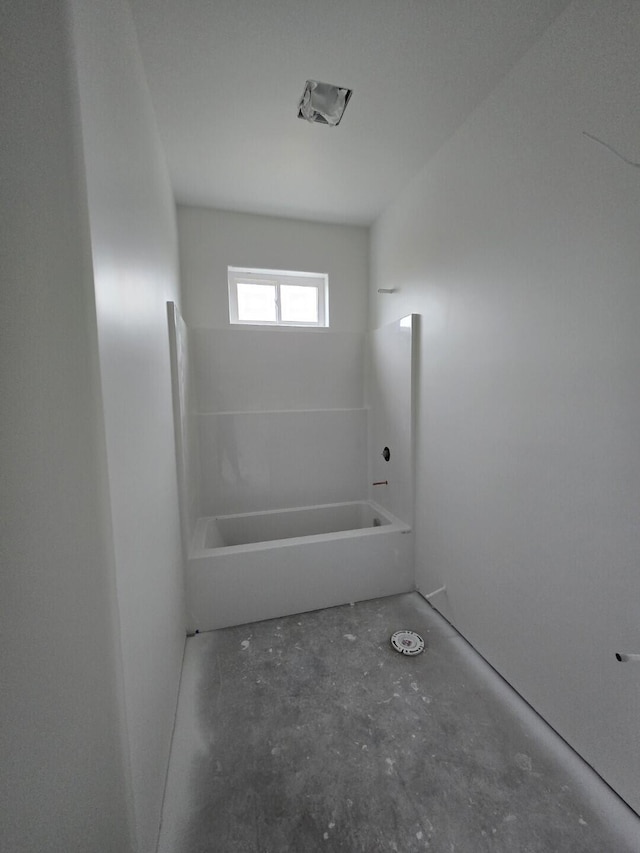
(407,642)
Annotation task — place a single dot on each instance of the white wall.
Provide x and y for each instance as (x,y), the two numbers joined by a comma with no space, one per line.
(134,250)
(519,247)
(281,417)
(212,240)
(391,365)
(185,426)
(281,413)
(252,369)
(64,781)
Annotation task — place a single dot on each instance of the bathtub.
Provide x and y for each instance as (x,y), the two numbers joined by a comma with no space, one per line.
(262,565)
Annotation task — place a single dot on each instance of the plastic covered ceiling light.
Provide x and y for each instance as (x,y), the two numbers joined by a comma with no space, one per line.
(323,103)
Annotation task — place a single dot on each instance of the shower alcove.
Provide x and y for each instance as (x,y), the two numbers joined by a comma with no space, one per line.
(279,440)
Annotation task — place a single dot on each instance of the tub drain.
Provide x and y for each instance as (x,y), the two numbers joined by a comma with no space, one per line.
(407,642)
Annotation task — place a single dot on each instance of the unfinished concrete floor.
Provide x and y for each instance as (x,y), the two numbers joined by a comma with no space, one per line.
(309,733)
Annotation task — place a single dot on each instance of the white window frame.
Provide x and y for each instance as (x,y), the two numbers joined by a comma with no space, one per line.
(244,275)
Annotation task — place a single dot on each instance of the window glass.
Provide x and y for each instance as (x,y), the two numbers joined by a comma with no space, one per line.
(256,303)
(298,304)
(278,297)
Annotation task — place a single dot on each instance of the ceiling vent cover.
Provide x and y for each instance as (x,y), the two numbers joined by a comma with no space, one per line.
(323,103)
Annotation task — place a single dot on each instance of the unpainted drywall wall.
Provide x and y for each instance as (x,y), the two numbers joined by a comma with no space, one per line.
(64,778)
(518,246)
(134,252)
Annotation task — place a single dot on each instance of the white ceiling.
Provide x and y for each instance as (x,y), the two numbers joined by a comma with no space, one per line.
(226,77)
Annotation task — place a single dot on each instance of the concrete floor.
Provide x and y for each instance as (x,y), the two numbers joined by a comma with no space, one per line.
(309,733)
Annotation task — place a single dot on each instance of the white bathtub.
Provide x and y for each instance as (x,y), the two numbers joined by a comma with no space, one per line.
(262,565)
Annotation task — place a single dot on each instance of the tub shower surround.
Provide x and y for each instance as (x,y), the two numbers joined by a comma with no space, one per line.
(185,425)
(281,418)
(327,555)
(286,517)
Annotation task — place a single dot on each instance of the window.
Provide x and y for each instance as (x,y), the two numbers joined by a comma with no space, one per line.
(278,297)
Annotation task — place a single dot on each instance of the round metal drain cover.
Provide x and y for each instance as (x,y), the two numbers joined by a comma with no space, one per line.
(407,642)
